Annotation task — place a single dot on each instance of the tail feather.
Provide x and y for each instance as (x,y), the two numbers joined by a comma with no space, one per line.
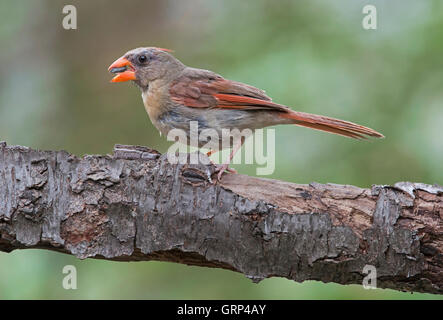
(332,125)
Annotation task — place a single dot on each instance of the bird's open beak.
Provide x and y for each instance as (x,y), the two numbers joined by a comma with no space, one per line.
(124,69)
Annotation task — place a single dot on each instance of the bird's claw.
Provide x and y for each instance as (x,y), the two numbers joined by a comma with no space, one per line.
(221,169)
(231,170)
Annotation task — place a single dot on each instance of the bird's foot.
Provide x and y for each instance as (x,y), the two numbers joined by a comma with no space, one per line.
(222,168)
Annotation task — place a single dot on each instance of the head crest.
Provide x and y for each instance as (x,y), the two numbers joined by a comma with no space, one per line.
(163,49)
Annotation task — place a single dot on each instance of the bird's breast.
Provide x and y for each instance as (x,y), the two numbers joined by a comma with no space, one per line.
(155,100)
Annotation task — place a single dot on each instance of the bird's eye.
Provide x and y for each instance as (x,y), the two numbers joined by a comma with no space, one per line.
(142,58)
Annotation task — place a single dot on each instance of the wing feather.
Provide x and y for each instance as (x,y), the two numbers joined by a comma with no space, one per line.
(204,89)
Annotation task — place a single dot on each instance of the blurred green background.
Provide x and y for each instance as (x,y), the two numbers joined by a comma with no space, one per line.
(311,55)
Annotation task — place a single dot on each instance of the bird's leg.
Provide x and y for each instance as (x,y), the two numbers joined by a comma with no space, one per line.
(221,169)
(210,153)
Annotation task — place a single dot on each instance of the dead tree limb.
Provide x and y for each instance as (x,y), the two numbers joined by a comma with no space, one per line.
(135,205)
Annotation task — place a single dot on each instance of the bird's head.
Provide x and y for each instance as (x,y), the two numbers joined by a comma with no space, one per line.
(143,65)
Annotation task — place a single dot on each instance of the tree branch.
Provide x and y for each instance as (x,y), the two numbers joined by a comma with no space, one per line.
(135,205)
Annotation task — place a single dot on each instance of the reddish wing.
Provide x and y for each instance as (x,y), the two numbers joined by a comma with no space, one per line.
(204,89)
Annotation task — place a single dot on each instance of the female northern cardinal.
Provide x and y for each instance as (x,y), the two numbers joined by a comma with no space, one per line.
(174,95)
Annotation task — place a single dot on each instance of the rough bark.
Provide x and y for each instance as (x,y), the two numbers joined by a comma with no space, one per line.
(135,205)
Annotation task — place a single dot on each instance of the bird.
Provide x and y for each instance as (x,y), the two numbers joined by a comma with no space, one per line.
(174,95)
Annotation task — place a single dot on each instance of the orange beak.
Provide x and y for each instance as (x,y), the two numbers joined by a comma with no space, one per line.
(124,69)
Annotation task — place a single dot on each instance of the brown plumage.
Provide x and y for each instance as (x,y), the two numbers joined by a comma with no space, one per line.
(174,95)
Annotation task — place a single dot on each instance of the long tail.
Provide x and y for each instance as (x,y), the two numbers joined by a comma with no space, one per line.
(341,127)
